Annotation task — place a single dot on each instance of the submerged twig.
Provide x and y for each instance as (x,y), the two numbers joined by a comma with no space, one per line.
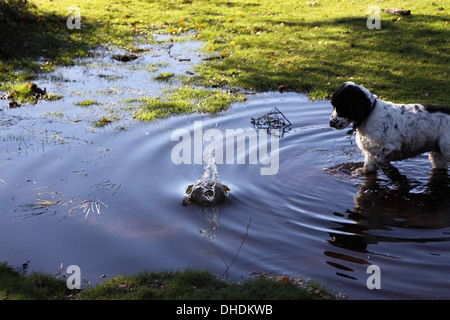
(60,270)
(237,253)
(105,186)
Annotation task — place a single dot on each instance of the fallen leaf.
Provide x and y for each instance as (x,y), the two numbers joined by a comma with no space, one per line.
(283,279)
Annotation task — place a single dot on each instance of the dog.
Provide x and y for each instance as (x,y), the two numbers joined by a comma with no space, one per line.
(387,131)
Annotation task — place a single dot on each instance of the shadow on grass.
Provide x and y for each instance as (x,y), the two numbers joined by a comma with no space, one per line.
(26,37)
(406,60)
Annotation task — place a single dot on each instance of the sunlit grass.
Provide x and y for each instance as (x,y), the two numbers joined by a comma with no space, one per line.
(104,121)
(87,103)
(261,45)
(167,76)
(185,99)
(26,92)
(304,46)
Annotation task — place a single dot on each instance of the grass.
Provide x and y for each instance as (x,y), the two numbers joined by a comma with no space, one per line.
(104,121)
(165,285)
(27,92)
(37,286)
(185,99)
(165,76)
(86,103)
(304,46)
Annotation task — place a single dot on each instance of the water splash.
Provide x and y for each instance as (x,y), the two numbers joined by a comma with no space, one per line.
(208,189)
(208,192)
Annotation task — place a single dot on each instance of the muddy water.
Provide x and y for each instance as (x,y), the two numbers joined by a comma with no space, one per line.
(109,199)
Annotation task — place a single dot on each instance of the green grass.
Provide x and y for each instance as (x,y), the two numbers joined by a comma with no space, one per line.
(165,76)
(185,99)
(24,92)
(104,121)
(261,45)
(201,285)
(165,285)
(37,286)
(86,103)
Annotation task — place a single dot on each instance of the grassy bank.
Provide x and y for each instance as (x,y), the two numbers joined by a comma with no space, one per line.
(180,285)
(303,46)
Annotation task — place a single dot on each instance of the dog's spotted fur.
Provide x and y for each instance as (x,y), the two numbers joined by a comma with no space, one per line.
(387,131)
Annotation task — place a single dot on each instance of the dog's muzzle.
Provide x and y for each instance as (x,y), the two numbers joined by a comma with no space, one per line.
(337,122)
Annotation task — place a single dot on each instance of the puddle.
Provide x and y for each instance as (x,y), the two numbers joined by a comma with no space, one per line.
(110,199)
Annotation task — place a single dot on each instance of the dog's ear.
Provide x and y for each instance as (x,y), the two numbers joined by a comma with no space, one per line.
(351,102)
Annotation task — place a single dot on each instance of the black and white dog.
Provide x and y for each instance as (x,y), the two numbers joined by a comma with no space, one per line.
(387,131)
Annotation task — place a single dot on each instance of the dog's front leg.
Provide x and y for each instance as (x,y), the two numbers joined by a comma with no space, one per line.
(369,167)
(384,163)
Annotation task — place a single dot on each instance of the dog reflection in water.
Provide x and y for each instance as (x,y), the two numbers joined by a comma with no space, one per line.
(377,204)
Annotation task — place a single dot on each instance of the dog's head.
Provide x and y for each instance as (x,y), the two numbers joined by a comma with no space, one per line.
(352,103)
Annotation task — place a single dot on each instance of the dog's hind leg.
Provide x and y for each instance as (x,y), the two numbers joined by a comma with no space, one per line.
(437,160)
(443,157)
(383,162)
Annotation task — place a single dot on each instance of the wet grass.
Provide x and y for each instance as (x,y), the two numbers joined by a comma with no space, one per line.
(27,92)
(165,76)
(185,99)
(87,103)
(165,285)
(102,122)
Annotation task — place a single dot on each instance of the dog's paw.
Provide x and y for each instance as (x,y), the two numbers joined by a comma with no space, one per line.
(363,171)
